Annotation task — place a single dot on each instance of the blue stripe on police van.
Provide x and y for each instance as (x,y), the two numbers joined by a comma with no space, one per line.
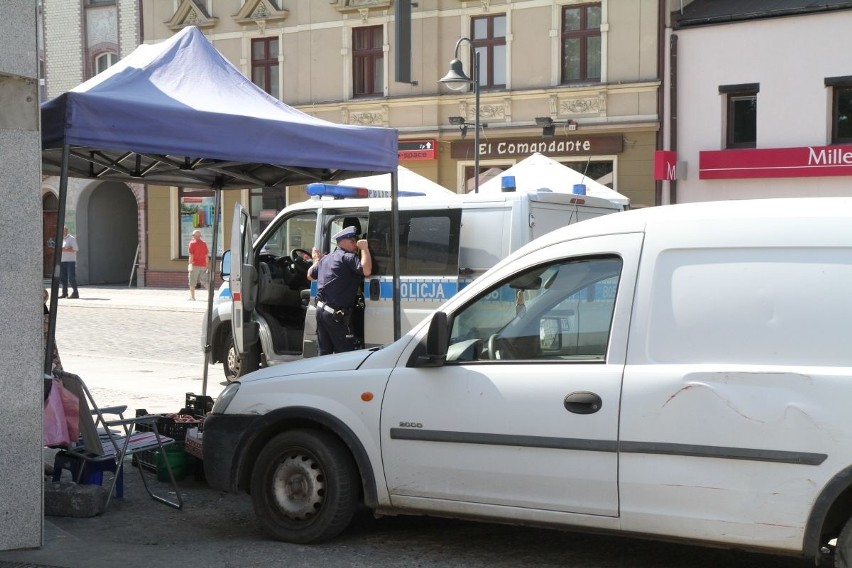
(417,289)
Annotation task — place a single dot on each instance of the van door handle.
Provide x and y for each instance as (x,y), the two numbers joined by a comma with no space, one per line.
(583,402)
(375,290)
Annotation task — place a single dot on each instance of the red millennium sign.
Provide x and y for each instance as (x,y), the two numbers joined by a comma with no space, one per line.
(665,165)
(417,149)
(807,161)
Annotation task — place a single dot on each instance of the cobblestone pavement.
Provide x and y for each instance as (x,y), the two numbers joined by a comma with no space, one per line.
(140,347)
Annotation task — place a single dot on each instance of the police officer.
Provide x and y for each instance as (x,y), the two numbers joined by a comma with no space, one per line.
(338,275)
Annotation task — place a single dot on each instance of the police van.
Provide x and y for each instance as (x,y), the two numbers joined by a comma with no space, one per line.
(446,242)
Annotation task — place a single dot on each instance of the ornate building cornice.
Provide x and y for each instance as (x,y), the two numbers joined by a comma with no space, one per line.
(191,13)
(362,6)
(260,12)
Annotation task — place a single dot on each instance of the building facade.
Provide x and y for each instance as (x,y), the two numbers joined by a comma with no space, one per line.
(750,113)
(21,371)
(79,40)
(578,81)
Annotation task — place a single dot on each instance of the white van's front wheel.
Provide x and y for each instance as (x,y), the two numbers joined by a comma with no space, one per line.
(233,365)
(304,487)
(843,549)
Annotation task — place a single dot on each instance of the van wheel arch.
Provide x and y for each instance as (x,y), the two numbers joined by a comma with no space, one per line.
(831,511)
(300,418)
(233,365)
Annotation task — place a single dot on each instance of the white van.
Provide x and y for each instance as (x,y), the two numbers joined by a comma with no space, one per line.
(446,242)
(679,372)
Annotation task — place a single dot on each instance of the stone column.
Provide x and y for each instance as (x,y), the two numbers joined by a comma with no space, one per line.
(21,341)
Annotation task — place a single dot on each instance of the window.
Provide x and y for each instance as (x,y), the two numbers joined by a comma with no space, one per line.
(264,64)
(196,208)
(488,35)
(841,109)
(485,173)
(581,43)
(560,311)
(368,61)
(430,243)
(105,61)
(741,104)
(264,205)
(297,232)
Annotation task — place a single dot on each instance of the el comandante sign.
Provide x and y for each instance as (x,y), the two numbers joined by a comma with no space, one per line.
(556,146)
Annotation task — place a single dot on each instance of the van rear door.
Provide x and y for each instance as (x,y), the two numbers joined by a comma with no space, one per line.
(429,268)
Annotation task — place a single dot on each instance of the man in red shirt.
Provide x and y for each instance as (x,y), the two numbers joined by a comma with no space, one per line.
(199,255)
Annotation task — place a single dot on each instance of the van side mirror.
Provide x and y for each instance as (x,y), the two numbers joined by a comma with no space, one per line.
(437,342)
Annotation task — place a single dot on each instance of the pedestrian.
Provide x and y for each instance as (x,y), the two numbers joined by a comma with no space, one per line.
(199,256)
(338,275)
(68,265)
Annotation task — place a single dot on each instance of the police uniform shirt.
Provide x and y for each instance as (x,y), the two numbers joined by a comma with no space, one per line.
(338,275)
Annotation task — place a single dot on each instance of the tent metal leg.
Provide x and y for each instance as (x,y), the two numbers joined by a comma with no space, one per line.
(211,271)
(57,259)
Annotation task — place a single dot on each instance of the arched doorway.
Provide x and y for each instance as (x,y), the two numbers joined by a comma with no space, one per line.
(49,215)
(111,233)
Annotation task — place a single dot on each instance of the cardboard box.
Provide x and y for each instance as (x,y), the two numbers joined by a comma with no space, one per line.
(192,443)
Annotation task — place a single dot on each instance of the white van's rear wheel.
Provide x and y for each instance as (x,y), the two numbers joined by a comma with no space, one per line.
(304,487)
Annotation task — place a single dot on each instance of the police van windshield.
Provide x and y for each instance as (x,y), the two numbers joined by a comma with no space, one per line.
(297,232)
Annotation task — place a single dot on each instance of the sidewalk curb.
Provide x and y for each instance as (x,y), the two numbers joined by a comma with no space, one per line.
(120,297)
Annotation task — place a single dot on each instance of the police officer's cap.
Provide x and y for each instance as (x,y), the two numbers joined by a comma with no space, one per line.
(346,233)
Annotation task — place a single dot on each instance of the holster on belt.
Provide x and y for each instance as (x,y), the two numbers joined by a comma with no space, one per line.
(340,315)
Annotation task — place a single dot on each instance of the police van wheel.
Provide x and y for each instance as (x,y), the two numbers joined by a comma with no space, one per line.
(234,366)
(304,487)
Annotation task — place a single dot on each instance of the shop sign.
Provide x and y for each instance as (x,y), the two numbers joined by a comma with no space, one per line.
(806,161)
(555,146)
(417,149)
(665,165)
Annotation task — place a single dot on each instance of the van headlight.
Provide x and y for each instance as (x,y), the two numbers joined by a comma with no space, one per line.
(225,398)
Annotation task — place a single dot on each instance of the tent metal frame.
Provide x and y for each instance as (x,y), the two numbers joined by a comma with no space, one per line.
(218,175)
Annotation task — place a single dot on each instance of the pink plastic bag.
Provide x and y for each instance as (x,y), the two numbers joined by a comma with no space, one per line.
(71,406)
(55,433)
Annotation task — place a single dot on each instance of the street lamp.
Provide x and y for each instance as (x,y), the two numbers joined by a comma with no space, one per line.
(457,80)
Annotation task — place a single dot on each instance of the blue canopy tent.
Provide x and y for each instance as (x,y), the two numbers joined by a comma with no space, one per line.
(179,113)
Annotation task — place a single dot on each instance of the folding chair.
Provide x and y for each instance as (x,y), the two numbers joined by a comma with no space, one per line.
(99,442)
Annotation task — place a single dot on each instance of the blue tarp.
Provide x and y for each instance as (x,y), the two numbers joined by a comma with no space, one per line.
(179,113)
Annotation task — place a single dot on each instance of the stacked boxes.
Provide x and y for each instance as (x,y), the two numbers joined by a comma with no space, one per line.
(185,428)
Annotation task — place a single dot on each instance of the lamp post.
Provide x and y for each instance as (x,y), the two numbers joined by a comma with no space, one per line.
(457,80)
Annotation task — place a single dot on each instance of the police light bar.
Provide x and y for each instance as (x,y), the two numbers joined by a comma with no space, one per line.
(348,191)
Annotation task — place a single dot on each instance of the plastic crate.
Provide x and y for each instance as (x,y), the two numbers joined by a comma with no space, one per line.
(167,425)
(197,405)
(149,460)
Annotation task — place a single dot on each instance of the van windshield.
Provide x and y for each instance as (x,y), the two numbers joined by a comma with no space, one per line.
(297,232)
